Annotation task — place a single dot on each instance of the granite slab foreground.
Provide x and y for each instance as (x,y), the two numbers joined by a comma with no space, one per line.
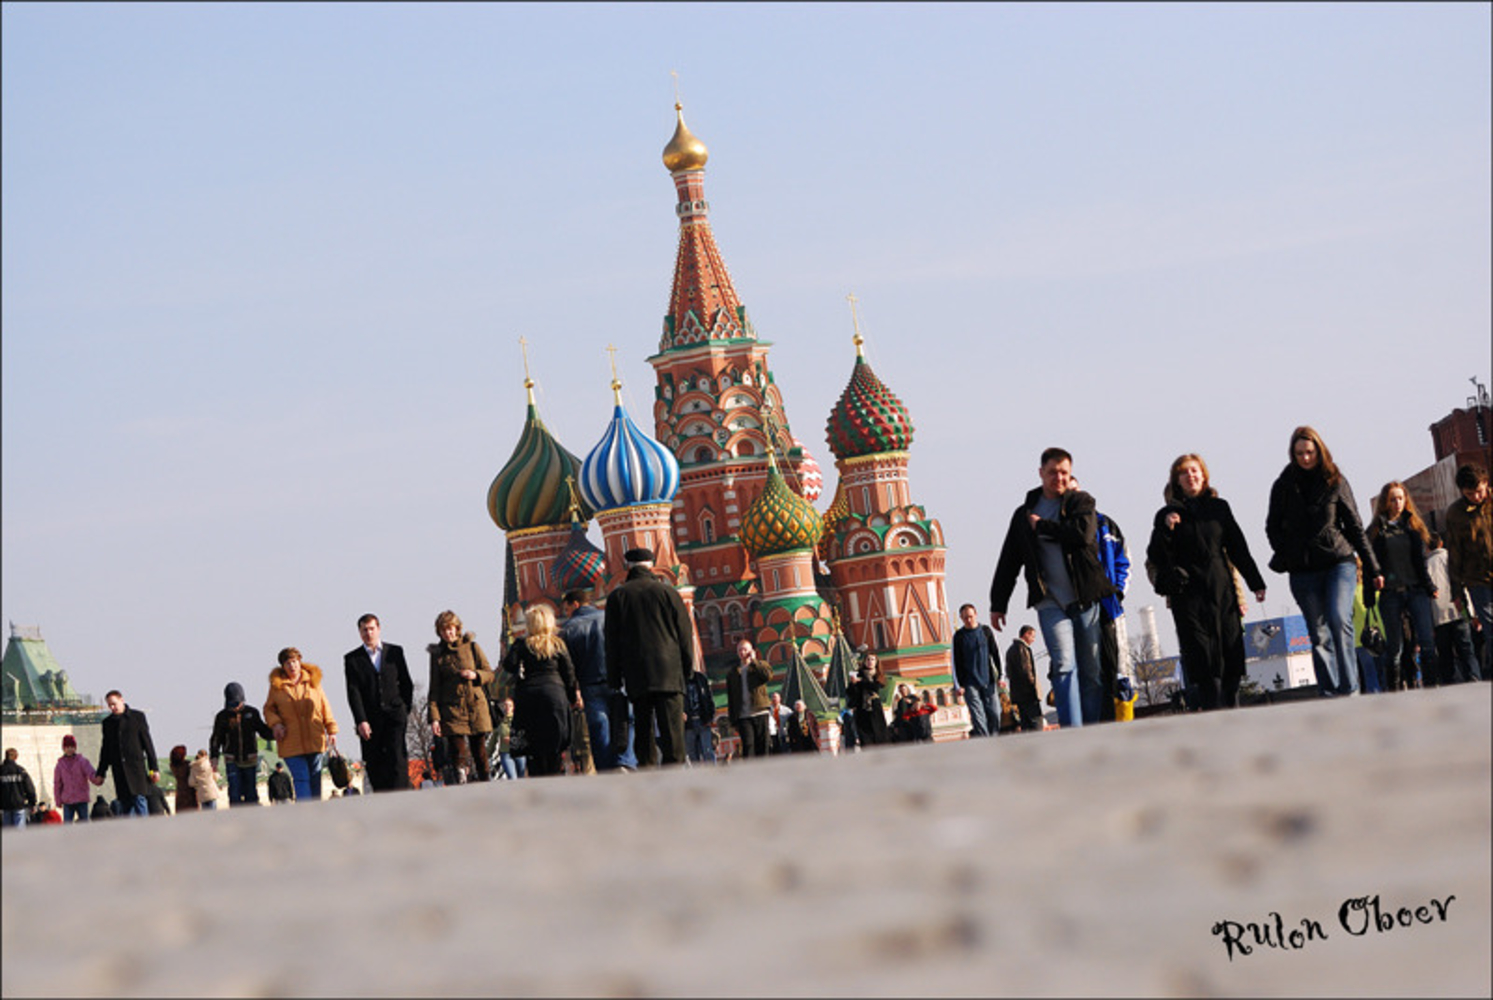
(1095,862)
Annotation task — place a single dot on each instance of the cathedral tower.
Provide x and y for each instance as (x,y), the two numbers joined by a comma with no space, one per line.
(530,499)
(886,556)
(715,408)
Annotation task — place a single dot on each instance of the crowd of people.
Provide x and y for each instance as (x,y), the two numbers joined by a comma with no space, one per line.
(1387,606)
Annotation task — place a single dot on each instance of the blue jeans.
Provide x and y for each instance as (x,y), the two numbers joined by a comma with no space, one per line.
(984,710)
(1072,642)
(75,812)
(599,722)
(1326,600)
(305,773)
(1482,610)
(1392,606)
(698,745)
(14,817)
(513,767)
(1368,666)
(243,785)
(137,805)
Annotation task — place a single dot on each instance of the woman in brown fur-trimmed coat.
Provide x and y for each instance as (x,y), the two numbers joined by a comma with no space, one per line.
(459,673)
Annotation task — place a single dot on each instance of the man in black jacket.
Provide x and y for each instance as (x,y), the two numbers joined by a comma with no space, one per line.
(17,792)
(380,693)
(650,643)
(1053,539)
(129,751)
(237,730)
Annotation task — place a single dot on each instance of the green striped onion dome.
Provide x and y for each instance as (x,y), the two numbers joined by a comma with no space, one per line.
(869,418)
(530,491)
(779,520)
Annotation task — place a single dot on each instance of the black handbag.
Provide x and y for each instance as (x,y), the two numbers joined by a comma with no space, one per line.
(337,767)
(1372,639)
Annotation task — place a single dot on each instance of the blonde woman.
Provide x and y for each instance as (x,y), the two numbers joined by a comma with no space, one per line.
(459,675)
(545,693)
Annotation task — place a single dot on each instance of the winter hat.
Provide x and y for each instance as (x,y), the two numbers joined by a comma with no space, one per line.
(69,741)
(233,695)
(638,556)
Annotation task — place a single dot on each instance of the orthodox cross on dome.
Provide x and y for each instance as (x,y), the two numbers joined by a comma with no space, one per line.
(856,321)
(616,382)
(575,500)
(523,346)
(675,74)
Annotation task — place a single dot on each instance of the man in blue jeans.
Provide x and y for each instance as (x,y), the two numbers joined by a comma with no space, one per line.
(129,751)
(584,635)
(1053,541)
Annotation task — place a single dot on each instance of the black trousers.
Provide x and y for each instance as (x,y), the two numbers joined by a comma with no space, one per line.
(385,756)
(752,731)
(1109,665)
(663,712)
(1211,636)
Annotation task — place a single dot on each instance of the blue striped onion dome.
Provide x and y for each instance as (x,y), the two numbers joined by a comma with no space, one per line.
(779,520)
(530,491)
(580,565)
(628,467)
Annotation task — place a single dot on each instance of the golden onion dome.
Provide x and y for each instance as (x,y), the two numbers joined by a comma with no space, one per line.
(779,520)
(684,151)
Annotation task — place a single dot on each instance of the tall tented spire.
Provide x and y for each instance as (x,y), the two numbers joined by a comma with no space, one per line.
(703,305)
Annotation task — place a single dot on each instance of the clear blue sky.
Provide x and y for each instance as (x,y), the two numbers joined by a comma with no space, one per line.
(265,268)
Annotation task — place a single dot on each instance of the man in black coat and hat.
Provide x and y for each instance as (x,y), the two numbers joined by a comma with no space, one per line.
(650,642)
(130,753)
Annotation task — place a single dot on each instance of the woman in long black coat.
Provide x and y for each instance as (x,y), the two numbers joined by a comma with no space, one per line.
(1195,546)
(545,693)
(864,699)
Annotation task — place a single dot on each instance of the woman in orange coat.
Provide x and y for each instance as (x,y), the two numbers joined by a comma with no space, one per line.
(300,716)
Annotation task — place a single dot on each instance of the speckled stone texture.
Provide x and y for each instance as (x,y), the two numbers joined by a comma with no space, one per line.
(1089,862)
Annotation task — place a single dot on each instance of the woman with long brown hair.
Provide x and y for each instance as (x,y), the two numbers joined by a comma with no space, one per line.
(1400,540)
(1315,531)
(1195,547)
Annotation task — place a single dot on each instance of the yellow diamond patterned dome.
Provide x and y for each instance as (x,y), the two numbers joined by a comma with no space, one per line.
(779,520)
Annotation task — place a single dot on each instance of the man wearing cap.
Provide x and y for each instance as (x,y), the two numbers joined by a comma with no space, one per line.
(237,730)
(70,782)
(650,653)
(380,693)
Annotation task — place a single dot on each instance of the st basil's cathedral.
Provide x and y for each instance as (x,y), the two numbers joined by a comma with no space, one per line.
(723,492)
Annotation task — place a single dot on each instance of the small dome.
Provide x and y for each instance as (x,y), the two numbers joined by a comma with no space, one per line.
(779,520)
(684,151)
(530,491)
(627,466)
(580,565)
(869,418)
(838,514)
(810,475)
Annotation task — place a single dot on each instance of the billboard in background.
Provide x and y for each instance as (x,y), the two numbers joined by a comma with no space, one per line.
(1273,637)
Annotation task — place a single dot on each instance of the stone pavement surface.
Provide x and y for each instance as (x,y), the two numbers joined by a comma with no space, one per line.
(1095,862)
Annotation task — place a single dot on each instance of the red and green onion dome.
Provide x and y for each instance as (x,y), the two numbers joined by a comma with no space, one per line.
(779,520)
(530,491)
(869,418)
(580,565)
(810,476)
